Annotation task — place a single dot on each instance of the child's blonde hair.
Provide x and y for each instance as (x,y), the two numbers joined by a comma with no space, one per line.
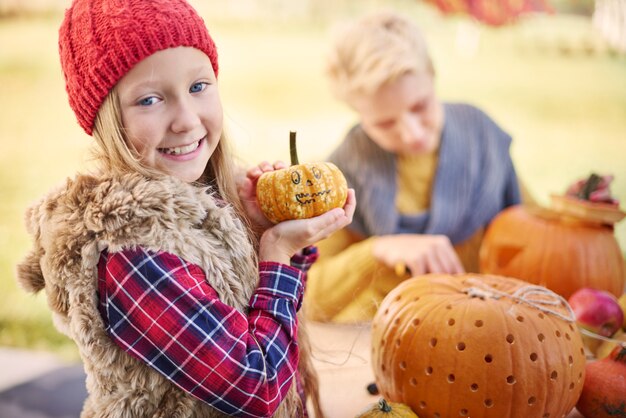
(373,51)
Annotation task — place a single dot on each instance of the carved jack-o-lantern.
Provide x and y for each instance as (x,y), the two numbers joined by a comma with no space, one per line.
(566,247)
(301,190)
(554,248)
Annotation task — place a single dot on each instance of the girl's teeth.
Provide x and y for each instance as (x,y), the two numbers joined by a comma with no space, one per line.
(181,150)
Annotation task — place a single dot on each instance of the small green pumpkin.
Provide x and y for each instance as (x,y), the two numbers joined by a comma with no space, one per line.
(302,190)
(384,409)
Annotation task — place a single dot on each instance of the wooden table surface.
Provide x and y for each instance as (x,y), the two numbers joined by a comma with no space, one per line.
(342,358)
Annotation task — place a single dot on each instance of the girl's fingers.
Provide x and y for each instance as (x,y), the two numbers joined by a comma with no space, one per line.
(299,233)
(266,166)
(279,165)
(328,223)
(309,231)
(254,172)
(246,189)
(350,205)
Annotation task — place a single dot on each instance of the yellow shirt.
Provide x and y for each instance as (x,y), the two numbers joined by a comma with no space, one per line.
(414,179)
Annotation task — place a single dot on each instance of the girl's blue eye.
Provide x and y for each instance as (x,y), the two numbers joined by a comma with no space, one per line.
(197,87)
(147,101)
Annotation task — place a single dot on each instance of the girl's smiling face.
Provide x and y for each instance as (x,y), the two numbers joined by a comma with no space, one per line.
(171,111)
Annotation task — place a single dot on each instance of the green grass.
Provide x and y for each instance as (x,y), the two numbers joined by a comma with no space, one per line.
(565,110)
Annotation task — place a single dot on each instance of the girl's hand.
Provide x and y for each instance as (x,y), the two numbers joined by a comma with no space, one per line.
(421,254)
(246,188)
(280,242)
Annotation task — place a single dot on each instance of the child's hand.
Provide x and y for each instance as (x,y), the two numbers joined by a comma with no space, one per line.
(247,192)
(420,254)
(283,240)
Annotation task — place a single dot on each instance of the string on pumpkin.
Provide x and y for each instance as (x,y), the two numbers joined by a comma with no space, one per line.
(525,295)
(350,353)
(602,337)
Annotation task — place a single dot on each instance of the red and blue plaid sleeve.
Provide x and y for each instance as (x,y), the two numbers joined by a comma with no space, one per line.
(160,309)
(305,259)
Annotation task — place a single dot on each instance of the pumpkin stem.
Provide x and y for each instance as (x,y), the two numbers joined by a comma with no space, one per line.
(383,405)
(590,185)
(292,148)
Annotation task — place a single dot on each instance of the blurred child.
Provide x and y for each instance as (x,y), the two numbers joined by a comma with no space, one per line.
(429,175)
(150,265)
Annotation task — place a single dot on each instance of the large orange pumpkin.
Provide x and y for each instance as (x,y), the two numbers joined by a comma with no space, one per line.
(554,249)
(302,190)
(477,346)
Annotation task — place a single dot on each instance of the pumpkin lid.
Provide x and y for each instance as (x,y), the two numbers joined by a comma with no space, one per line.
(593,212)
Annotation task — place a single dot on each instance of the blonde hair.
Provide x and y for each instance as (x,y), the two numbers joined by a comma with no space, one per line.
(375,50)
(116,154)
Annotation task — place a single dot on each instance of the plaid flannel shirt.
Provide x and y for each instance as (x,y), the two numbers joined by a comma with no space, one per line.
(160,309)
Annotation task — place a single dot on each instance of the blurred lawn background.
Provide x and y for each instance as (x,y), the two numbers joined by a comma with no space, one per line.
(549,80)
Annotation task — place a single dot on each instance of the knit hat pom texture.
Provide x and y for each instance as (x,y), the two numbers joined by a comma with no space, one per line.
(101,40)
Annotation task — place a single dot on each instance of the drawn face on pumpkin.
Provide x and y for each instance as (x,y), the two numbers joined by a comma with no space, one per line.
(301,191)
(306,182)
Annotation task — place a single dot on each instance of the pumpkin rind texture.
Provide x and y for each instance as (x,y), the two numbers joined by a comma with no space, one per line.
(604,391)
(301,191)
(477,346)
(560,253)
(385,409)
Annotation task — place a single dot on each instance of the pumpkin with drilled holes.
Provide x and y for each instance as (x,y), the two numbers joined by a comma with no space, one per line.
(477,346)
(554,249)
(302,190)
(384,409)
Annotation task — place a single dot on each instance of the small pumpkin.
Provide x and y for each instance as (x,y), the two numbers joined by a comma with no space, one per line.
(384,409)
(477,346)
(554,249)
(302,190)
(604,391)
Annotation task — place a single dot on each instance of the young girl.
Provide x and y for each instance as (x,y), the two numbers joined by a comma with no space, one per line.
(150,265)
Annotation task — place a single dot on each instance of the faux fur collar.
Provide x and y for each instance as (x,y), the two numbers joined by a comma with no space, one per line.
(74,223)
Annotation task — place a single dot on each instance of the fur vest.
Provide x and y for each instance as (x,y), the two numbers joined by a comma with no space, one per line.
(74,224)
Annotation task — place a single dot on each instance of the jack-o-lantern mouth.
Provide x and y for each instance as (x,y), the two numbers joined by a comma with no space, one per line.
(306,198)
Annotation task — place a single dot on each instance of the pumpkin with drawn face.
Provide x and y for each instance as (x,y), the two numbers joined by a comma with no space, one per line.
(302,190)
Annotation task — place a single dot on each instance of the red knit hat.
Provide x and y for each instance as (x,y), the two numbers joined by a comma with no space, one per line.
(101,40)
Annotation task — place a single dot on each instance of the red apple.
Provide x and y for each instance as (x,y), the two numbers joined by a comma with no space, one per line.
(597,310)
